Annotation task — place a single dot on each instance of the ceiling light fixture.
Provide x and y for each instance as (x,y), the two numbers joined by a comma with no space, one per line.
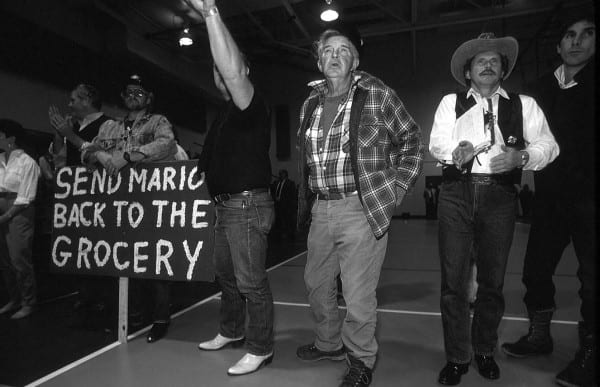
(329,12)
(186,38)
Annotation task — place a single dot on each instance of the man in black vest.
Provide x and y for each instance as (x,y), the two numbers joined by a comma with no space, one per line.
(71,133)
(564,207)
(82,125)
(482,138)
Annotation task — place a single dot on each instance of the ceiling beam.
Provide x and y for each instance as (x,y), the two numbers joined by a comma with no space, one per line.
(393,29)
(389,11)
(268,34)
(294,16)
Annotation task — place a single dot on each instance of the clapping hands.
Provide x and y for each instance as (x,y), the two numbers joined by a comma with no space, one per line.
(62,124)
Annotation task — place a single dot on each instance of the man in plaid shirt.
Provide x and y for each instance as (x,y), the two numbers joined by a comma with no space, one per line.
(360,152)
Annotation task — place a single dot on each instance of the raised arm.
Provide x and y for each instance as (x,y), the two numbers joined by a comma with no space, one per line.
(226,54)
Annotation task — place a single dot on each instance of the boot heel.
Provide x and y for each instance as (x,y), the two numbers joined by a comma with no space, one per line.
(269,359)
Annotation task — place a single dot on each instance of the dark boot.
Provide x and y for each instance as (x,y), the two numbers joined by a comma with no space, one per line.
(581,372)
(537,341)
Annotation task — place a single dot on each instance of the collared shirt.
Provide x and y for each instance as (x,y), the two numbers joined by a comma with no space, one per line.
(385,147)
(150,134)
(19,174)
(329,156)
(559,74)
(448,131)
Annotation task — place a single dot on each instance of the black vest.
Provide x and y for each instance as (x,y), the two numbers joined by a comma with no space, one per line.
(87,134)
(510,122)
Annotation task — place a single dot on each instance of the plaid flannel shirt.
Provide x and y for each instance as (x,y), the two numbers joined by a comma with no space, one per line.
(385,148)
(328,158)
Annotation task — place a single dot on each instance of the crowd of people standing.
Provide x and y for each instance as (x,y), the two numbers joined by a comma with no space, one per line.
(359,152)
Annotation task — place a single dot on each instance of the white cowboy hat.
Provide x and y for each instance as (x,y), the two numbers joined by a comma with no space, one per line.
(507,46)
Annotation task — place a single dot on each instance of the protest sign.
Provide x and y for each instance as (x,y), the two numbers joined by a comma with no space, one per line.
(152,220)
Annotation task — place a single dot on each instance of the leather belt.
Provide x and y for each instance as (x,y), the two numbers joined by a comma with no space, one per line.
(336,195)
(489,179)
(223,197)
(8,195)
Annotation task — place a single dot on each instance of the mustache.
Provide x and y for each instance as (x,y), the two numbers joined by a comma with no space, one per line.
(487,72)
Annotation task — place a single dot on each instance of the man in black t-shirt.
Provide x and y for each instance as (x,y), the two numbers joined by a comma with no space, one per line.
(236,162)
(72,131)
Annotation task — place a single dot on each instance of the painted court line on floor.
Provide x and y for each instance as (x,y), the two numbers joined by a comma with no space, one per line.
(132,336)
(73,365)
(419,313)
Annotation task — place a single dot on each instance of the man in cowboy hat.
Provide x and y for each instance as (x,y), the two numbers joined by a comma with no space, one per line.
(360,151)
(483,138)
(565,204)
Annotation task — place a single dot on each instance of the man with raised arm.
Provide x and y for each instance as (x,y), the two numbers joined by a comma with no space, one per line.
(235,159)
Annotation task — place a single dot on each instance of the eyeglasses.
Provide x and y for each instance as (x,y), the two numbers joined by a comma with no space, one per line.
(133,93)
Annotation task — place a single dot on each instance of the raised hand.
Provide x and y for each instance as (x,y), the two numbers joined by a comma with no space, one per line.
(62,124)
(201,6)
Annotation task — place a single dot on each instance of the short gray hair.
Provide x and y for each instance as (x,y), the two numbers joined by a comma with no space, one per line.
(330,33)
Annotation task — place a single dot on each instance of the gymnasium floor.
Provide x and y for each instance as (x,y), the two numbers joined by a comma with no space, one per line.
(409,330)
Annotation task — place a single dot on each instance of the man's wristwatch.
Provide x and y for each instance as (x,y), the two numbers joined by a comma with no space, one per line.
(524,158)
(212,11)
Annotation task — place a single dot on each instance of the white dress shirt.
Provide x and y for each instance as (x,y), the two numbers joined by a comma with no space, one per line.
(447,131)
(559,74)
(19,174)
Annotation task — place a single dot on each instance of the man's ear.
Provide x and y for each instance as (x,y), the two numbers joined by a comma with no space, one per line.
(468,74)
(319,66)
(355,64)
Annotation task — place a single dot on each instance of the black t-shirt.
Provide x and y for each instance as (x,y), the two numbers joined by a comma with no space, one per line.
(235,156)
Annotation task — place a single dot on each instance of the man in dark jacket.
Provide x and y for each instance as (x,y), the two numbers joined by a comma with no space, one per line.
(564,206)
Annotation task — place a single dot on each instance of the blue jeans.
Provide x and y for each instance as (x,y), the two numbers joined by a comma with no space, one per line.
(474,221)
(240,252)
(340,241)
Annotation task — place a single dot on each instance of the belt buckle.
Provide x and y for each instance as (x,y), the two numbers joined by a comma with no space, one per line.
(220,198)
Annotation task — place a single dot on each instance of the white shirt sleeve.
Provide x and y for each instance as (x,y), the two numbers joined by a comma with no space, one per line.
(441,141)
(539,141)
(30,173)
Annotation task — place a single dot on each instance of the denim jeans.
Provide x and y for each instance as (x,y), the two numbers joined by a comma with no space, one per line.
(476,221)
(240,252)
(340,241)
(16,261)
(556,222)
